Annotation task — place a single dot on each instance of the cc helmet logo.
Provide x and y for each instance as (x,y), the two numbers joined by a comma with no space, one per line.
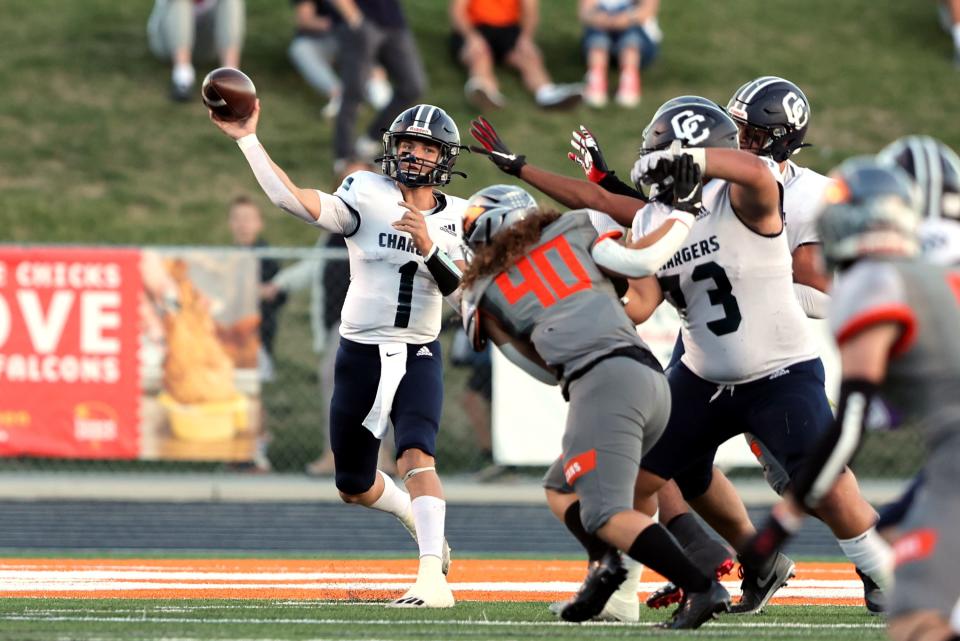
(688,126)
(796,110)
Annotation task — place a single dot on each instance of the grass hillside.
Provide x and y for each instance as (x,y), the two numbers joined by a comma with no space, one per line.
(93,151)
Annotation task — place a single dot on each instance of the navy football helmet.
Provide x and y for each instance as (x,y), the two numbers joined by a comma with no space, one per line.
(422,122)
(699,123)
(683,100)
(774,116)
(935,170)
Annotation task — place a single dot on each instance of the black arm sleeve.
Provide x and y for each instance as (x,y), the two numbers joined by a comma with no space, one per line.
(444,271)
(837,446)
(612,183)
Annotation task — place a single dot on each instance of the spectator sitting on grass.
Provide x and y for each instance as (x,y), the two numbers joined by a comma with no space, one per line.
(314,50)
(626,29)
(178,30)
(487,32)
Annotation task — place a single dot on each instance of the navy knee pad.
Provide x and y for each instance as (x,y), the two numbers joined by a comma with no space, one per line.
(694,482)
(355,482)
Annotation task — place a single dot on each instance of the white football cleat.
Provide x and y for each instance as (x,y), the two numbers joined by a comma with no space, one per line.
(430,590)
(426,594)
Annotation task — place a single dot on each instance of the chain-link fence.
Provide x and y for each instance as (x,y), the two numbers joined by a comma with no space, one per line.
(300,298)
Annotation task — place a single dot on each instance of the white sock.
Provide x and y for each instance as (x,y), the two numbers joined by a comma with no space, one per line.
(871,554)
(396,502)
(429,513)
(430,569)
(630,585)
(955,30)
(183,75)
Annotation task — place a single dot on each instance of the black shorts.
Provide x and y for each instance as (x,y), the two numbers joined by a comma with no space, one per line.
(415,412)
(501,40)
(787,411)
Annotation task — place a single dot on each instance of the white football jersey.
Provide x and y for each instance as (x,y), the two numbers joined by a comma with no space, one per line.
(802,197)
(392,296)
(940,240)
(733,288)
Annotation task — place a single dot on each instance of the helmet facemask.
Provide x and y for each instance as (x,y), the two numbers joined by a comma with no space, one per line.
(412,171)
(425,123)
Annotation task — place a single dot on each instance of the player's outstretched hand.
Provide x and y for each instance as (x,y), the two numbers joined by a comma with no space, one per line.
(494,148)
(586,153)
(414,223)
(240,128)
(688,185)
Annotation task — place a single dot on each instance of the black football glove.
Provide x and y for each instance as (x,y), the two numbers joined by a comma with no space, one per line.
(687,185)
(587,154)
(494,148)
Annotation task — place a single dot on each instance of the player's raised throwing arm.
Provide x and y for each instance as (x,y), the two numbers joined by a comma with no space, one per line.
(310,205)
(755,189)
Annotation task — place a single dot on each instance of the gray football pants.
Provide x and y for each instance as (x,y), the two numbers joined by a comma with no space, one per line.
(618,410)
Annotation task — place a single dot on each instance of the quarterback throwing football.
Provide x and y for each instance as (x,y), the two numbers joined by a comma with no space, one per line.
(403,238)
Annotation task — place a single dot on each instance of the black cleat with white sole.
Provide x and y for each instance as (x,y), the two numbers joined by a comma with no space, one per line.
(760,584)
(699,607)
(601,582)
(873,595)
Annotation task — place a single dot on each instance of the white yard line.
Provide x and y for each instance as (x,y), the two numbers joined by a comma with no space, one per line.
(808,589)
(418,622)
(122,574)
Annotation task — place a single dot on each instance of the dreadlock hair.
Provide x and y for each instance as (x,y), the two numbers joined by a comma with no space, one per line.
(507,247)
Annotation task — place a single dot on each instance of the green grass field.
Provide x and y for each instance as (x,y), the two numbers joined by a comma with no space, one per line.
(291,597)
(93,151)
(43,620)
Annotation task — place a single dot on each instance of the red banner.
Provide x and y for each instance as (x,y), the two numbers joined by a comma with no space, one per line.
(69,344)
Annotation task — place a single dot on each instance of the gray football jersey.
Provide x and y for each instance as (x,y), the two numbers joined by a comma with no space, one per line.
(923,373)
(556,298)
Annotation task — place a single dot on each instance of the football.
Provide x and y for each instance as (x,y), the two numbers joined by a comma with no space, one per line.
(229,93)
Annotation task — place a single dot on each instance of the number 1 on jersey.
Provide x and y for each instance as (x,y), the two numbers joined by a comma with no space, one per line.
(405,295)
